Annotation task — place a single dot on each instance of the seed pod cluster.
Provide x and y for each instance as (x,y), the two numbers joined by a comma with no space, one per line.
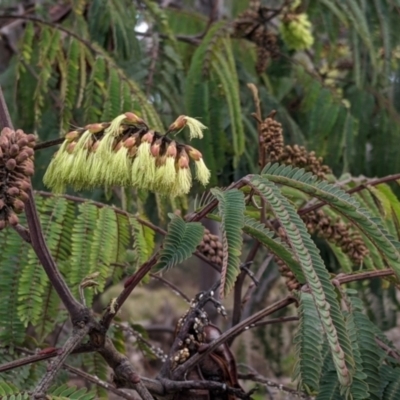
(211,247)
(126,152)
(290,280)
(251,25)
(16,168)
(272,137)
(299,157)
(337,232)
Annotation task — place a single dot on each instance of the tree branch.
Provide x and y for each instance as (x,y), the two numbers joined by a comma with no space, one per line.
(73,307)
(94,379)
(180,371)
(73,341)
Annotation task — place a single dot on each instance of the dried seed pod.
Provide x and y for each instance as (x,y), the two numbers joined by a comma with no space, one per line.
(13,219)
(18,206)
(14,150)
(31,140)
(23,184)
(12,191)
(23,196)
(11,163)
(21,157)
(272,137)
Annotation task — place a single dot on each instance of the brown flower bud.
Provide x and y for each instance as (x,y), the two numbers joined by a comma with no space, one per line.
(11,164)
(94,128)
(2,204)
(29,151)
(134,119)
(2,224)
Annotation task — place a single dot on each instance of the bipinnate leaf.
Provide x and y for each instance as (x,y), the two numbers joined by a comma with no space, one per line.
(180,242)
(231,208)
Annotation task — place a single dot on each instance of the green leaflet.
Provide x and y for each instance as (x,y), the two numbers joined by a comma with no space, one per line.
(72,392)
(112,106)
(280,249)
(12,261)
(371,354)
(343,204)
(143,241)
(94,91)
(33,279)
(103,246)
(316,276)
(8,391)
(231,208)
(308,345)
(180,242)
(70,83)
(82,242)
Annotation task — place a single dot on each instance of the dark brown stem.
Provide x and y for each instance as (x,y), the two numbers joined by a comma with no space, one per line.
(23,232)
(180,371)
(171,286)
(124,374)
(254,376)
(237,297)
(37,239)
(41,356)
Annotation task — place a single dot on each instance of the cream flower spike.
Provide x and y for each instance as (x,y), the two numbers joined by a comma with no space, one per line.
(195,127)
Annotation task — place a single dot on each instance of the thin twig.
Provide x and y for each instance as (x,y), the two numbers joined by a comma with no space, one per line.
(37,239)
(94,379)
(256,377)
(73,341)
(394,353)
(171,286)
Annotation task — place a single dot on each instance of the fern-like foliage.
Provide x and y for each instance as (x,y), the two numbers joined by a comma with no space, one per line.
(344,204)
(180,242)
(279,248)
(231,210)
(316,276)
(9,391)
(308,343)
(83,239)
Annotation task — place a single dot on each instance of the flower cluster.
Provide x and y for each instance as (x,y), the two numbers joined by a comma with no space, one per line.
(295,28)
(16,168)
(126,152)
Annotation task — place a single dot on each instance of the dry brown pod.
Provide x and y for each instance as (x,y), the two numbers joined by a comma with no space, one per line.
(13,219)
